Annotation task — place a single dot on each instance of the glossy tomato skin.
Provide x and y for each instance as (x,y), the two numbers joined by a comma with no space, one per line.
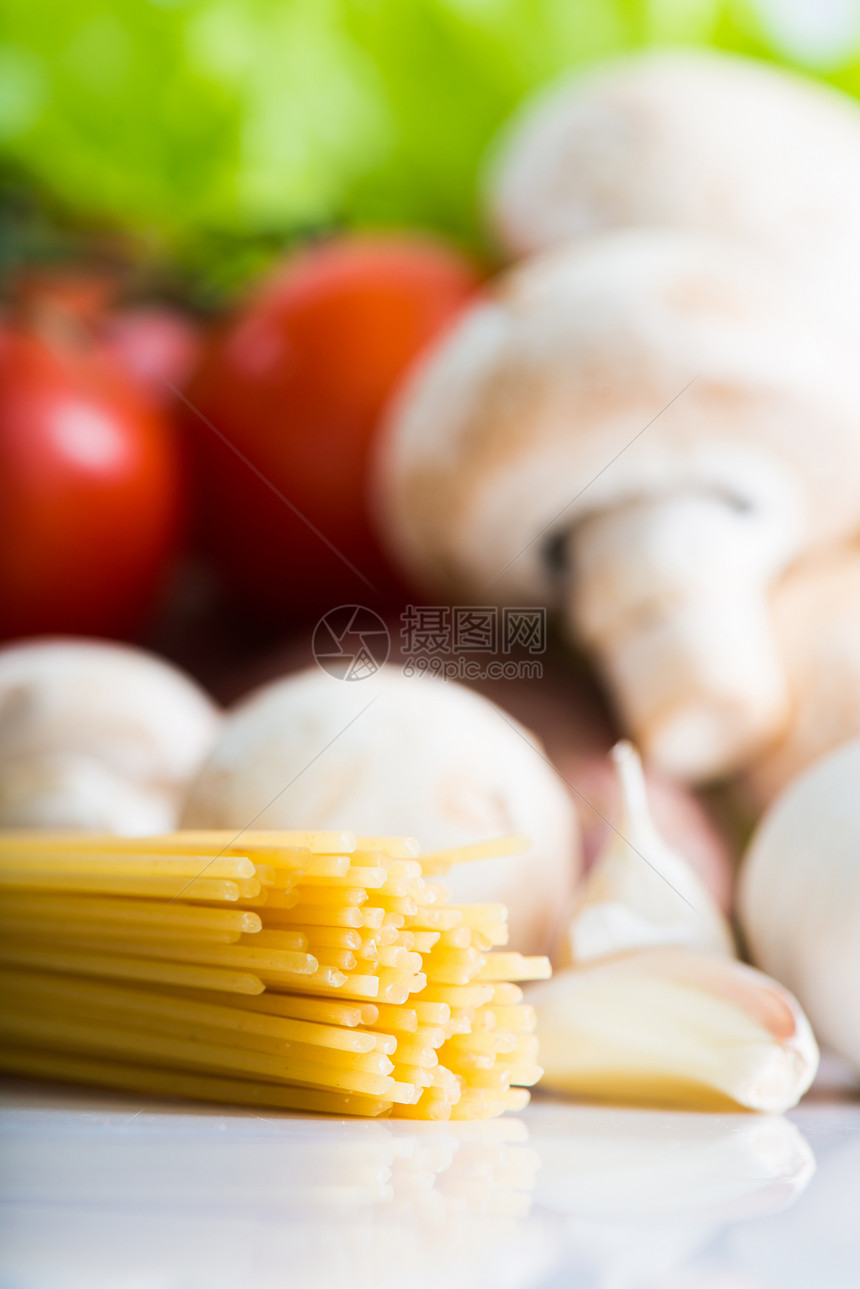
(298,382)
(157,345)
(90,491)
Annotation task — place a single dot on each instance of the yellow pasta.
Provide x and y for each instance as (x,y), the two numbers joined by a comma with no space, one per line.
(157,915)
(310,916)
(177,1083)
(297,940)
(433,1035)
(386,1043)
(397,1019)
(390,847)
(520,1018)
(341,959)
(329,937)
(509,994)
(368,878)
(326,1011)
(415,1054)
(178,1015)
(459,995)
(167,887)
(62,929)
(127,865)
(75,962)
(347,896)
(327,866)
(430,1013)
(503,966)
(439,861)
(345,981)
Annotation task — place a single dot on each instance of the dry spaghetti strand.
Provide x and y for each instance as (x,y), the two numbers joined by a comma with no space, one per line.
(307,971)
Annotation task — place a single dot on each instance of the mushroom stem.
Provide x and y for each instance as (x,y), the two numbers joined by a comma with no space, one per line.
(670,593)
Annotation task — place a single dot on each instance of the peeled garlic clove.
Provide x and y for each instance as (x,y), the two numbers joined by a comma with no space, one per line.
(640,892)
(676,1028)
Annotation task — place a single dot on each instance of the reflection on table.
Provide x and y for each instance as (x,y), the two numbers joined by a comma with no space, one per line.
(116,1192)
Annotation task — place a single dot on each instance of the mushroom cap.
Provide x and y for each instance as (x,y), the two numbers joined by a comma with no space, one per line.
(817,629)
(96,735)
(633,366)
(695,140)
(398,754)
(562,707)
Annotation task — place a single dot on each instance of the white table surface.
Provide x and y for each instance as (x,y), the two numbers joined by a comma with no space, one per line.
(111,1192)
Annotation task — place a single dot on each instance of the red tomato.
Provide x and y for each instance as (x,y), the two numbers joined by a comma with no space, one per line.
(297,384)
(89,491)
(154,343)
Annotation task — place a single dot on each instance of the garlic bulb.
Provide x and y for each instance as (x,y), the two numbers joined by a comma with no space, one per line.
(674,1027)
(800,896)
(640,892)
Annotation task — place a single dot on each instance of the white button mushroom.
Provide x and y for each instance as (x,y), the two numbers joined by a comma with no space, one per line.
(564,710)
(642,433)
(400,755)
(97,736)
(800,896)
(692,140)
(817,628)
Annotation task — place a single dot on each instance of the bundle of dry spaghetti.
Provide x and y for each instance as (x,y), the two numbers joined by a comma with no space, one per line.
(305,971)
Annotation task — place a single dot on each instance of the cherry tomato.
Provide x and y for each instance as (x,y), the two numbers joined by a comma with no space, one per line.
(293,389)
(156,344)
(89,489)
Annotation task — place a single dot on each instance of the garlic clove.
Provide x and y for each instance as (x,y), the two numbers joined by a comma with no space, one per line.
(640,892)
(676,1028)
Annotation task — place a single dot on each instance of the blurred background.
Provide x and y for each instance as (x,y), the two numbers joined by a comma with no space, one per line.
(158,160)
(227,232)
(212,135)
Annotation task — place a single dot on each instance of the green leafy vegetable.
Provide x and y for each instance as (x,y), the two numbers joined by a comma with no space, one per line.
(213,127)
